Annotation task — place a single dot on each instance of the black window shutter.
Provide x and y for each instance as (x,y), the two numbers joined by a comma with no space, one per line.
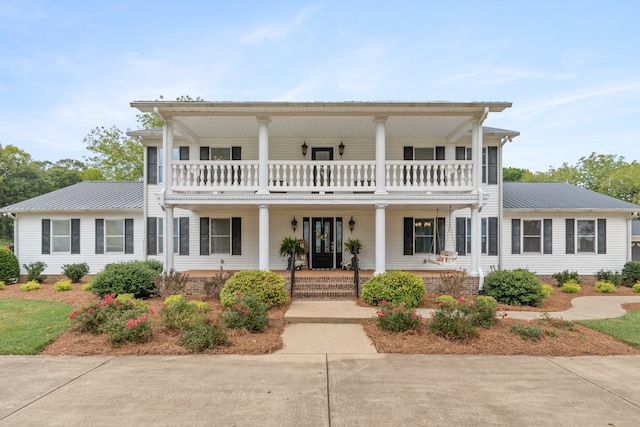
(492,159)
(236,236)
(440,237)
(570,240)
(128,236)
(204,153)
(152,236)
(152,165)
(99,236)
(46,236)
(408,153)
(602,236)
(204,236)
(548,236)
(184,153)
(236,153)
(460,153)
(439,153)
(408,236)
(461,235)
(184,236)
(493,235)
(75,236)
(515,236)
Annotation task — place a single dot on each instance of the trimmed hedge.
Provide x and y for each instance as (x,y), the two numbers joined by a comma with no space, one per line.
(394,286)
(266,285)
(514,287)
(132,277)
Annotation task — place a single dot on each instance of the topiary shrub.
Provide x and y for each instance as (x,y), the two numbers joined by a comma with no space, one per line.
(132,277)
(605,287)
(571,287)
(75,272)
(514,287)
(34,271)
(266,285)
(564,276)
(9,266)
(394,286)
(630,273)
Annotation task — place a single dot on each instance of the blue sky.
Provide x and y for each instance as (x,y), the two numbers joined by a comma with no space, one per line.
(571,68)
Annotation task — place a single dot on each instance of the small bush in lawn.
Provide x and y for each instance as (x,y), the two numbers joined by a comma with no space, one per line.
(248,312)
(636,287)
(571,287)
(530,332)
(266,285)
(514,287)
(394,286)
(565,276)
(444,298)
(132,277)
(30,286)
(206,334)
(547,290)
(396,317)
(9,266)
(609,276)
(631,273)
(87,287)
(126,329)
(178,312)
(171,283)
(605,287)
(62,286)
(453,321)
(34,271)
(75,272)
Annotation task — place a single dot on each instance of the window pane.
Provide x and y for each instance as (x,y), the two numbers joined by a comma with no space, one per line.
(424,234)
(61,236)
(586,244)
(531,228)
(114,235)
(220,235)
(114,227)
(424,153)
(531,235)
(220,227)
(61,228)
(531,244)
(176,231)
(586,235)
(220,245)
(61,244)
(220,154)
(114,244)
(160,235)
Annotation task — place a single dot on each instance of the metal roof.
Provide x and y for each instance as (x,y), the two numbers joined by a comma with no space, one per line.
(86,195)
(559,196)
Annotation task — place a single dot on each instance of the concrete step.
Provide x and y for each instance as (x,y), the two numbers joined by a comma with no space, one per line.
(302,311)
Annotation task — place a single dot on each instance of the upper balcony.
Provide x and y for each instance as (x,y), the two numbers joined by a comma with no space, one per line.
(322,176)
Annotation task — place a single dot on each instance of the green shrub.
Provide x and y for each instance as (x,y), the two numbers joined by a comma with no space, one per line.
(204,335)
(394,286)
(30,286)
(444,298)
(564,276)
(132,277)
(485,311)
(571,287)
(516,287)
(547,290)
(124,329)
(630,273)
(636,287)
(87,287)
(530,332)
(453,321)
(396,317)
(248,312)
(609,276)
(112,316)
(1,285)
(75,272)
(178,312)
(34,271)
(62,286)
(605,287)
(266,285)
(9,266)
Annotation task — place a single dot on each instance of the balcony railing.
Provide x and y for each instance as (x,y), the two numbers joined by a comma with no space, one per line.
(322,176)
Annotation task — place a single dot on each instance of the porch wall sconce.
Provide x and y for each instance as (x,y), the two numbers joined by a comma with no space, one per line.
(304,148)
(294,224)
(352,224)
(341,149)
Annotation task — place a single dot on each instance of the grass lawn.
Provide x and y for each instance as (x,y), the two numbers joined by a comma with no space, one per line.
(625,328)
(28,325)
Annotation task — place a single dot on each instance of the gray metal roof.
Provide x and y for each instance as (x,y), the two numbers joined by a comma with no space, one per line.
(559,196)
(87,195)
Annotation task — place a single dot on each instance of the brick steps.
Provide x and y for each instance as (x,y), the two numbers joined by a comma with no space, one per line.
(323,289)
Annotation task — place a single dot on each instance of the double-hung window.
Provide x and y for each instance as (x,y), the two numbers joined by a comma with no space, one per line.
(220,235)
(586,235)
(114,235)
(424,235)
(60,235)
(531,236)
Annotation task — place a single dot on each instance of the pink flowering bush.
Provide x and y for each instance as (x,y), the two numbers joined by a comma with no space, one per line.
(125,329)
(396,317)
(247,312)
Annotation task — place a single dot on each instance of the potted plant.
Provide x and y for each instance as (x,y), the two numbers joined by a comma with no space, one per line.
(290,247)
(353,246)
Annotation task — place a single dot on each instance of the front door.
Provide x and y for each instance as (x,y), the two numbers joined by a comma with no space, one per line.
(321,174)
(322,238)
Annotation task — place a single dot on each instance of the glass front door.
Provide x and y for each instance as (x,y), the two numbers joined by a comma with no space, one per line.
(322,235)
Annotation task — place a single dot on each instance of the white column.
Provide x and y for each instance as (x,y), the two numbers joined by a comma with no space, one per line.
(167,244)
(476,246)
(381,239)
(263,237)
(263,154)
(380,155)
(167,153)
(476,153)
